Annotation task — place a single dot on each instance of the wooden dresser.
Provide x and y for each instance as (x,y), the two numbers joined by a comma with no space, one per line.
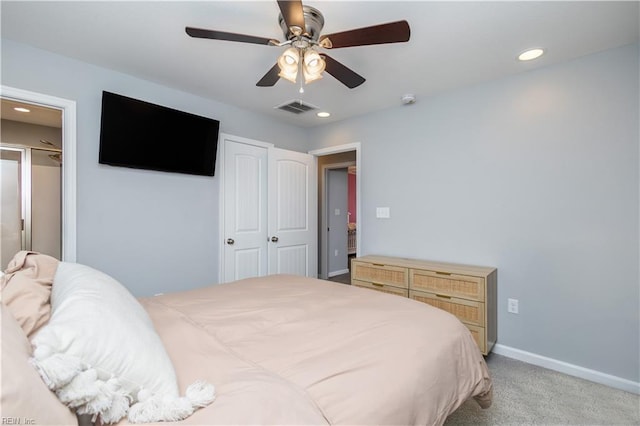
(468,292)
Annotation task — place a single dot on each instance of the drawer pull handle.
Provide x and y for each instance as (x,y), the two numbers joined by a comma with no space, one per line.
(378,284)
(378,264)
(443,273)
(444,296)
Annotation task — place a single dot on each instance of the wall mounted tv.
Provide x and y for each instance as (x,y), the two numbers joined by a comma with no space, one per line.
(142,135)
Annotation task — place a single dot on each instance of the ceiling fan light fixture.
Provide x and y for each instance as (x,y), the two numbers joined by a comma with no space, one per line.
(312,59)
(312,66)
(288,76)
(290,57)
(288,63)
(310,78)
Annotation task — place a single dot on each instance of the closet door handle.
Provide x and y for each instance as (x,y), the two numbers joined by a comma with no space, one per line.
(230,241)
(274,239)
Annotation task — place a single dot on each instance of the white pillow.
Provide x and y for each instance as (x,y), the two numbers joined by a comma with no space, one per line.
(101,355)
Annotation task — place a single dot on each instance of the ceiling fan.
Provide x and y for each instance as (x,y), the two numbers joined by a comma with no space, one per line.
(301,26)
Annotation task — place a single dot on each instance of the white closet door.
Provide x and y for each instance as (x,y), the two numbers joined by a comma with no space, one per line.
(245,210)
(292,213)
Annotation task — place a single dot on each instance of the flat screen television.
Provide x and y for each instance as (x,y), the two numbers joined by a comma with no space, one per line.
(142,135)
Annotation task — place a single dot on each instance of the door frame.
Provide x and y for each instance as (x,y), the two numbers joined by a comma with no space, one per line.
(69,201)
(322,240)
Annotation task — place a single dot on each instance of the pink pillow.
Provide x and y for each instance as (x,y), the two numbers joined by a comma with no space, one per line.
(24,395)
(26,289)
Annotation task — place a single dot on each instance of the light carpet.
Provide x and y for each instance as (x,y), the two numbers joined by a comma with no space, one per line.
(525,394)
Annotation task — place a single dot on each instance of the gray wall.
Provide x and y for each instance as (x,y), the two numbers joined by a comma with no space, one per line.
(153,231)
(337,200)
(536,175)
(15,132)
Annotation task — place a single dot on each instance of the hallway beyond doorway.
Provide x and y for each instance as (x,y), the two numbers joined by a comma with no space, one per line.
(344,278)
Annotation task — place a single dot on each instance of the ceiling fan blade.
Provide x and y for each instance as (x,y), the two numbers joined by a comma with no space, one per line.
(393,32)
(292,13)
(349,78)
(270,78)
(221,35)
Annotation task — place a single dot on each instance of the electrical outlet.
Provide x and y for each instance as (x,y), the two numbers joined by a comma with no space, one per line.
(512,306)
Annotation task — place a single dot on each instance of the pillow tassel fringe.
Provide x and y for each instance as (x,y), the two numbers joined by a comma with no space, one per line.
(201,394)
(158,408)
(111,402)
(119,408)
(80,390)
(57,369)
(101,401)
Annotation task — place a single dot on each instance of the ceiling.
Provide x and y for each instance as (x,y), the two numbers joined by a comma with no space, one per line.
(37,114)
(452,45)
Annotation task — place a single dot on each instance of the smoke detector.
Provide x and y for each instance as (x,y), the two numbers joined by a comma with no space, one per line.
(408,99)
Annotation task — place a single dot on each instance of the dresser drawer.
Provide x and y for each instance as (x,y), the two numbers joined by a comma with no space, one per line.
(382,287)
(380,274)
(467,311)
(462,286)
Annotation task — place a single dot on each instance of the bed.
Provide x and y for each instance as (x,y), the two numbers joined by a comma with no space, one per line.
(285,349)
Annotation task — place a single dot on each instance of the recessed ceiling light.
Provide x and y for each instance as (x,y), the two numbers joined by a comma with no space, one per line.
(323,114)
(530,54)
(21,109)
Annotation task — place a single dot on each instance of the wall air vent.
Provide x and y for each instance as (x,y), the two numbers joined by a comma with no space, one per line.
(296,107)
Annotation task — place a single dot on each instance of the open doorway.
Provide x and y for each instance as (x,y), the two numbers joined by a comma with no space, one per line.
(339,220)
(31,166)
(43,184)
(338,205)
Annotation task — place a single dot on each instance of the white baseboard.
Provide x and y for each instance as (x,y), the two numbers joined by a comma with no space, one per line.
(340,272)
(570,369)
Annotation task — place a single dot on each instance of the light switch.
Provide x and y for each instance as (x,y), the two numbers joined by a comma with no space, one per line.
(383,213)
(336,212)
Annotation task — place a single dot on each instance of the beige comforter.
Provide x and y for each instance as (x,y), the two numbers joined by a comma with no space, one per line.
(289,350)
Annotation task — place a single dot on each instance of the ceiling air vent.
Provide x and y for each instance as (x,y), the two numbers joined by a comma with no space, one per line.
(296,107)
